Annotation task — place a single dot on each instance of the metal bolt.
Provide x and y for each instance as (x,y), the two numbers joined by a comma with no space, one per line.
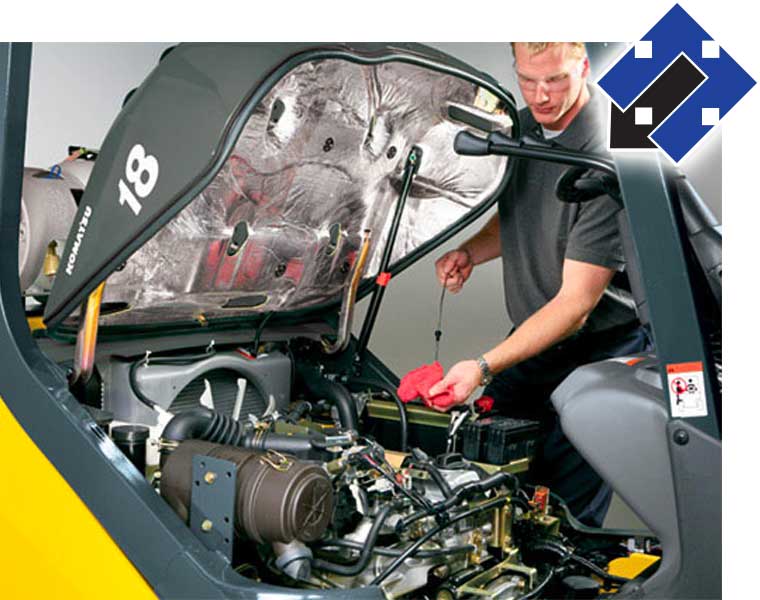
(681,437)
(207,525)
(441,571)
(209,477)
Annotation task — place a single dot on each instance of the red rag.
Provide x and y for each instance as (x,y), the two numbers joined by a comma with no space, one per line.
(417,384)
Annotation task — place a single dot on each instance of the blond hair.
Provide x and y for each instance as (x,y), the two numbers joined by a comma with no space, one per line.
(576,48)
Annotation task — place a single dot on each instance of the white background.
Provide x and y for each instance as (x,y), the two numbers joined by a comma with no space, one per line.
(731,23)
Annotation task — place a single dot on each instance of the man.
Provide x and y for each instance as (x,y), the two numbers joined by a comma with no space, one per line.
(558,262)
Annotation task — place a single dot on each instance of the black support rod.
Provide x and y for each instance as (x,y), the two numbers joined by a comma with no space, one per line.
(410,170)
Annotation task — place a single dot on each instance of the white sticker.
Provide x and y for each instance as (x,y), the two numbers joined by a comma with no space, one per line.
(686,385)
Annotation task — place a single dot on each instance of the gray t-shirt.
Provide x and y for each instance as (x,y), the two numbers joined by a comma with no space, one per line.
(538,231)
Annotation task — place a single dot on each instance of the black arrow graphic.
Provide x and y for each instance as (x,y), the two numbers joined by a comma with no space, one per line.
(663,95)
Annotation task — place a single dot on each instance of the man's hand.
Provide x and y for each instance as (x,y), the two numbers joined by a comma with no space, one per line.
(453,269)
(463,378)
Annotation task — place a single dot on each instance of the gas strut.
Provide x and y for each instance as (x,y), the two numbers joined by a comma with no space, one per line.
(411,168)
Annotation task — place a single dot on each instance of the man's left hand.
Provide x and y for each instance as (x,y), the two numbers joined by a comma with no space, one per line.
(461,381)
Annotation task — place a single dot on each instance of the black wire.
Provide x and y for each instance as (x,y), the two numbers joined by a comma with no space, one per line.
(597,570)
(411,550)
(437,477)
(382,551)
(259,331)
(534,593)
(566,554)
(427,507)
(459,494)
(580,527)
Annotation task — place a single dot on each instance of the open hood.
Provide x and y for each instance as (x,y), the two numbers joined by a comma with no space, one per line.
(240,178)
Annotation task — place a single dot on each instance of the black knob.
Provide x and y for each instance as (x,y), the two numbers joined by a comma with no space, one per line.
(681,437)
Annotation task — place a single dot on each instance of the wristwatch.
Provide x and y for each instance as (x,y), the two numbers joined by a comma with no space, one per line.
(485,372)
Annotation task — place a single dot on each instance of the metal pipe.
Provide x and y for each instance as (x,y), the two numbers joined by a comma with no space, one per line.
(349,300)
(87,336)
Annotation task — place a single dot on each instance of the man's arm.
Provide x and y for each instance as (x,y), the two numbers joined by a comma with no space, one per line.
(485,245)
(455,267)
(582,287)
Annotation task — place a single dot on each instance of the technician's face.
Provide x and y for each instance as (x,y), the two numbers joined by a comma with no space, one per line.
(551,82)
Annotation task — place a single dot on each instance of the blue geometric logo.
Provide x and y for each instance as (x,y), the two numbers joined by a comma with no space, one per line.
(672,87)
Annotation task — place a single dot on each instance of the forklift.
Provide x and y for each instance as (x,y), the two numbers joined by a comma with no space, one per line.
(79,520)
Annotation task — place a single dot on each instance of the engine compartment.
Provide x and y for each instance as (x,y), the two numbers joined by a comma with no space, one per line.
(288,479)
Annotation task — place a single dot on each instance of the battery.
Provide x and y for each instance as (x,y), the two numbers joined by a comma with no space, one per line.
(500,440)
(511,439)
(474,438)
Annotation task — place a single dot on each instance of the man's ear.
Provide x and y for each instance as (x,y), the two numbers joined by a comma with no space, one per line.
(586,67)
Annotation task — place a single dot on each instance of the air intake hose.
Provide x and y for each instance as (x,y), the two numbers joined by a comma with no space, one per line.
(335,393)
(204,424)
(210,426)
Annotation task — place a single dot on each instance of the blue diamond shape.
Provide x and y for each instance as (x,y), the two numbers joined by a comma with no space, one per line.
(674,34)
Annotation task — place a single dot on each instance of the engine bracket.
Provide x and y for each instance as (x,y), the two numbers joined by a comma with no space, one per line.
(212,503)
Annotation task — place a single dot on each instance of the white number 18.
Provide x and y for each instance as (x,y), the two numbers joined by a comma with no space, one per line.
(142,172)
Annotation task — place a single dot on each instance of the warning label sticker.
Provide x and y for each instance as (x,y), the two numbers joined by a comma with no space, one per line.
(686,384)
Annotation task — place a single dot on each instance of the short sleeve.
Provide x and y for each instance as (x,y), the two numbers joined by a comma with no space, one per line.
(595,236)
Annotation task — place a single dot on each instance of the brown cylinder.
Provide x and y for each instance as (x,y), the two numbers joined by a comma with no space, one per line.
(278,498)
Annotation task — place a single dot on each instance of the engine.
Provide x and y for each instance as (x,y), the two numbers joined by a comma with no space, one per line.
(303,494)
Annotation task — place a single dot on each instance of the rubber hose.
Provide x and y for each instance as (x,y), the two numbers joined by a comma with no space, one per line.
(364,556)
(411,550)
(201,423)
(336,394)
(289,444)
(403,419)
(300,410)
(438,478)
(459,494)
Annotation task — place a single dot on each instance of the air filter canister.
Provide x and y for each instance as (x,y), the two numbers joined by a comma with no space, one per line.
(278,498)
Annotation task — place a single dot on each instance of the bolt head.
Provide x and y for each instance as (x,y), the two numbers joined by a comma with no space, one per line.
(207,525)
(441,571)
(681,437)
(209,477)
